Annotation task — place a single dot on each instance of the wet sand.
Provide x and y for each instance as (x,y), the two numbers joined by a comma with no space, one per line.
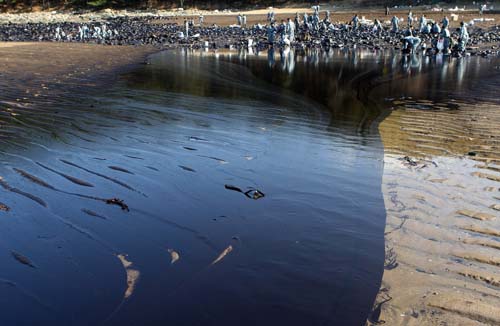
(443,220)
(35,67)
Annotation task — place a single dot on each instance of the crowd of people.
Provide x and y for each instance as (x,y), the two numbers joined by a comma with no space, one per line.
(439,35)
(414,33)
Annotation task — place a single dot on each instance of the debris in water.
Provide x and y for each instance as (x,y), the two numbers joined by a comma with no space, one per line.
(194,138)
(233,188)
(92,213)
(222,255)
(22,259)
(4,207)
(174,255)
(186,168)
(252,193)
(132,276)
(118,202)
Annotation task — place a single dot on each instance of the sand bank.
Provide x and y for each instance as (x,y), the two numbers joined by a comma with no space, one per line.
(67,67)
(441,187)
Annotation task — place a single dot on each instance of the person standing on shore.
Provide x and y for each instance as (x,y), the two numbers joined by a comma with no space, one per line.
(201,20)
(85,32)
(297,20)
(387,10)
(239,20)
(271,33)
(104,29)
(316,21)
(435,29)
(291,30)
(445,36)
(97,33)
(423,23)
(244,21)
(482,8)
(58,33)
(316,9)
(427,29)
(282,31)
(355,22)
(270,16)
(410,19)
(445,22)
(395,24)
(463,38)
(377,27)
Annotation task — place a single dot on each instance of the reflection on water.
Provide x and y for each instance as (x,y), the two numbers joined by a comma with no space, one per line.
(173,140)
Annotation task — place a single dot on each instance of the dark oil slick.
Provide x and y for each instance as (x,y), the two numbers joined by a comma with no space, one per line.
(175,144)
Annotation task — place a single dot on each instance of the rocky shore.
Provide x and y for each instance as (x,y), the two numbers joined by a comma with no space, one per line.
(168,30)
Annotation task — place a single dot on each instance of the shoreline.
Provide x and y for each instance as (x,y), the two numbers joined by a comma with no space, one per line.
(167,29)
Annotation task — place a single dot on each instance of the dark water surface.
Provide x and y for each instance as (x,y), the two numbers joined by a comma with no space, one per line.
(168,139)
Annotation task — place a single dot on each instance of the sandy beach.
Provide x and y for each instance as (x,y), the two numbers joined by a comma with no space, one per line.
(32,70)
(443,216)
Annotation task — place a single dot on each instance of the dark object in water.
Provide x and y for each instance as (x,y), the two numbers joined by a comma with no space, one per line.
(194,138)
(186,168)
(22,259)
(118,202)
(4,207)
(233,188)
(252,193)
(92,213)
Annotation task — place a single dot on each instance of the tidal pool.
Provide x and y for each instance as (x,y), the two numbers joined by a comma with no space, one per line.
(252,182)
